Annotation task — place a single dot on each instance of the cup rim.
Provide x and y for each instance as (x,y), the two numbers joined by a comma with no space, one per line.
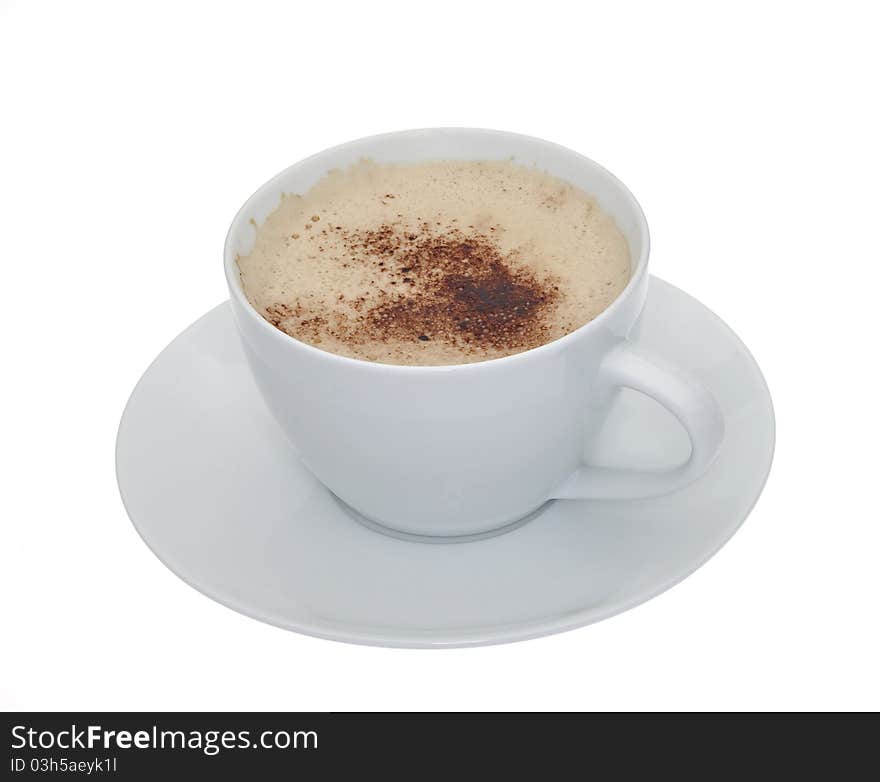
(233,279)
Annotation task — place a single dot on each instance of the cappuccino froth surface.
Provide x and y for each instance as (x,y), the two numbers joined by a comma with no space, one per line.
(436,263)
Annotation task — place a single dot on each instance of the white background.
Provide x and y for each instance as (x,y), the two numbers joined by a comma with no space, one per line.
(131,133)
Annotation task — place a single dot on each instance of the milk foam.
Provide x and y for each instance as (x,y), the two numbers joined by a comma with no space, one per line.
(435,263)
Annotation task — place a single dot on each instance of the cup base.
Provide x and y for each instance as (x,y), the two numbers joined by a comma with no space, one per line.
(411,537)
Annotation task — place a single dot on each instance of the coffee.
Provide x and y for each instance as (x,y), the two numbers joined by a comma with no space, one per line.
(435,263)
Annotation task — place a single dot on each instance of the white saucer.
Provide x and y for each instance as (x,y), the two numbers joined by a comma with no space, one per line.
(216,492)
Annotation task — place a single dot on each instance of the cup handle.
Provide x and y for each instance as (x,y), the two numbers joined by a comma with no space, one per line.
(686,398)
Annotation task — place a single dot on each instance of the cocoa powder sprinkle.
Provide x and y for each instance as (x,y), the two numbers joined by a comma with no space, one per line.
(460,288)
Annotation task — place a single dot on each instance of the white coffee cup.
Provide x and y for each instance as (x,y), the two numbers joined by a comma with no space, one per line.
(465,449)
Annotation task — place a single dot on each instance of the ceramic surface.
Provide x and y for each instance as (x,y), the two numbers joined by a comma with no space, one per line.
(218,494)
(460,450)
